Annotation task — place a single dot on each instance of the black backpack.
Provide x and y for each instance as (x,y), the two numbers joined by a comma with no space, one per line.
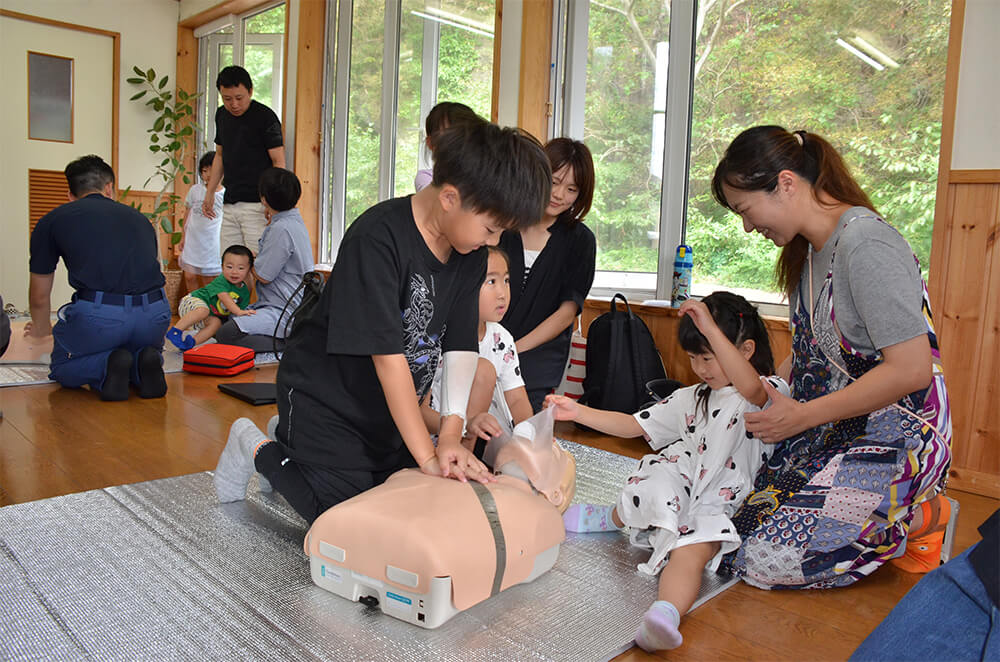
(621,360)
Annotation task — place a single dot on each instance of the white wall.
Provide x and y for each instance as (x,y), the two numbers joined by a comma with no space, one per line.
(148,31)
(977,112)
(189,8)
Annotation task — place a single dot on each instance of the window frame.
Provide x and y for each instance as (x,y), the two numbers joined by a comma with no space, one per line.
(210,38)
(336,91)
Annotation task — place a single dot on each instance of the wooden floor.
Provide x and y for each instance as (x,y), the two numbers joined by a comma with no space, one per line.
(56,441)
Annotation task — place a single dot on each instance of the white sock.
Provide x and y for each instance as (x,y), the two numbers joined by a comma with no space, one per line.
(658,630)
(589,518)
(236,462)
(263,483)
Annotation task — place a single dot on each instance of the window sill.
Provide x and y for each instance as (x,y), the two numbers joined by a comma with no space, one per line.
(600,303)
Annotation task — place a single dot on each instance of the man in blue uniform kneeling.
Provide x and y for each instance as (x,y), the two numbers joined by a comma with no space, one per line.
(111,334)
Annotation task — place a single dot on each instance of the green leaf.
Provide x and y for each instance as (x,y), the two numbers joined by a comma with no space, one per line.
(158,124)
(154,138)
(155,148)
(138,95)
(150,75)
(164,162)
(135,81)
(139,72)
(187,180)
(163,82)
(186,131)
(175,238)
(182,95)
(161,208)
(165,224)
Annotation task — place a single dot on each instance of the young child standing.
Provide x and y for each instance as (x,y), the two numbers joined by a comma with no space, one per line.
(678,502)
(402,298)
(498,400)
(204,309)
(199,245)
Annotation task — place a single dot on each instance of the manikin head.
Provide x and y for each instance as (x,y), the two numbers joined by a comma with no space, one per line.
(533,455)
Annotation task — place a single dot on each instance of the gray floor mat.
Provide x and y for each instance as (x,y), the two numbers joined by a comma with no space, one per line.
(161,570)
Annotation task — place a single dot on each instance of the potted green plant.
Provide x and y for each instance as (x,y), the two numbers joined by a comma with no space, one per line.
(171,135)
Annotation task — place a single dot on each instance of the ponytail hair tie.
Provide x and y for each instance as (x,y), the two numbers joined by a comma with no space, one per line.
(800,136)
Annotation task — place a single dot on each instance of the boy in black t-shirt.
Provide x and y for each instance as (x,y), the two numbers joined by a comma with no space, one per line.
(402,298)
(248,141)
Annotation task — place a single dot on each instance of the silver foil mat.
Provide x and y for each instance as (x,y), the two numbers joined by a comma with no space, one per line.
(162,571)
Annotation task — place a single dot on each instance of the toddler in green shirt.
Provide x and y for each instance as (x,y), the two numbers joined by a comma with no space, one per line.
(203,310)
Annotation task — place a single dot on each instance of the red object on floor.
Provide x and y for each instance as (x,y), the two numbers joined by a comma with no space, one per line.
(218,359)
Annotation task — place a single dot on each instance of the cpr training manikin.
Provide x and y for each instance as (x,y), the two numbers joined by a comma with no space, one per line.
(426,548)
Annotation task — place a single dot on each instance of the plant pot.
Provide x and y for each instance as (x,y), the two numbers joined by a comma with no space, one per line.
(173,287)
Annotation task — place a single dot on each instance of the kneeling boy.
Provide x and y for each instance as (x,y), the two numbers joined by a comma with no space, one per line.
(402,297)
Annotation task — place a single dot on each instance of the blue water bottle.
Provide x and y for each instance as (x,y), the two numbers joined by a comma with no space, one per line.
(683,262)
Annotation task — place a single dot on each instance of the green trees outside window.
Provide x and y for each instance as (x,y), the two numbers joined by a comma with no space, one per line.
(756,62)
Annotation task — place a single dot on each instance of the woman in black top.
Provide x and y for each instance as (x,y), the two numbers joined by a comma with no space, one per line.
(551,270)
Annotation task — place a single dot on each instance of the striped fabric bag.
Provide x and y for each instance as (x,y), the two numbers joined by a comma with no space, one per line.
(576,367)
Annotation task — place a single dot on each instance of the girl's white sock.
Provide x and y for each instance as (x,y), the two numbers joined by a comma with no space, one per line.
(658,630)
(589,518)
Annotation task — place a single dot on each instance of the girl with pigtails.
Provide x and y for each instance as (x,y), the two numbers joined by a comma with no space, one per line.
(679,500)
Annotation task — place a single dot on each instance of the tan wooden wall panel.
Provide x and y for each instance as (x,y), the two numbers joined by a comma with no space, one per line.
(984,435)
(970,333)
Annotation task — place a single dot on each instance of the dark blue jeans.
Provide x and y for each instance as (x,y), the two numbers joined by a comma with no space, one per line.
(947,616)
(87,332)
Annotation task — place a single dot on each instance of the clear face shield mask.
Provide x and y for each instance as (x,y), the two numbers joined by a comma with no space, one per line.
(532,454)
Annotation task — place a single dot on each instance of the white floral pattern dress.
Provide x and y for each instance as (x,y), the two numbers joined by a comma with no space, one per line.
(704,466)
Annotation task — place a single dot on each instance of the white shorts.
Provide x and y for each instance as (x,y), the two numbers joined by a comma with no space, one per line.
(190,304)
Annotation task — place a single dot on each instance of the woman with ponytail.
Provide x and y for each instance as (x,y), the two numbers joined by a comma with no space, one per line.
(864,443)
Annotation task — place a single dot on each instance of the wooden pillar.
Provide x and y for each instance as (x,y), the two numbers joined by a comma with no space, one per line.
(536,47)
(309,108)
(186,79)
(965,290)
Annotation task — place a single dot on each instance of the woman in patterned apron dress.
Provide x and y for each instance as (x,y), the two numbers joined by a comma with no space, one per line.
(864,443)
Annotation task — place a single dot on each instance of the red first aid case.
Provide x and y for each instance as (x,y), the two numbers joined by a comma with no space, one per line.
(218,359)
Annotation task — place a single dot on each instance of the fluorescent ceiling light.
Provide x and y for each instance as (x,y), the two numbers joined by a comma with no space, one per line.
(456,21)
(874,52)
(854,51)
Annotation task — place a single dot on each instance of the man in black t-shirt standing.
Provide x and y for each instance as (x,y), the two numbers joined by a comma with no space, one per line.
(248,141)
(111,334)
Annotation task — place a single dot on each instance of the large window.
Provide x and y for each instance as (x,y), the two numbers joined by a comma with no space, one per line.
(254,41)
(868,76)
(391,61)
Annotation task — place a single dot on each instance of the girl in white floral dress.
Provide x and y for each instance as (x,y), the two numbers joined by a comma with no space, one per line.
(678,502)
